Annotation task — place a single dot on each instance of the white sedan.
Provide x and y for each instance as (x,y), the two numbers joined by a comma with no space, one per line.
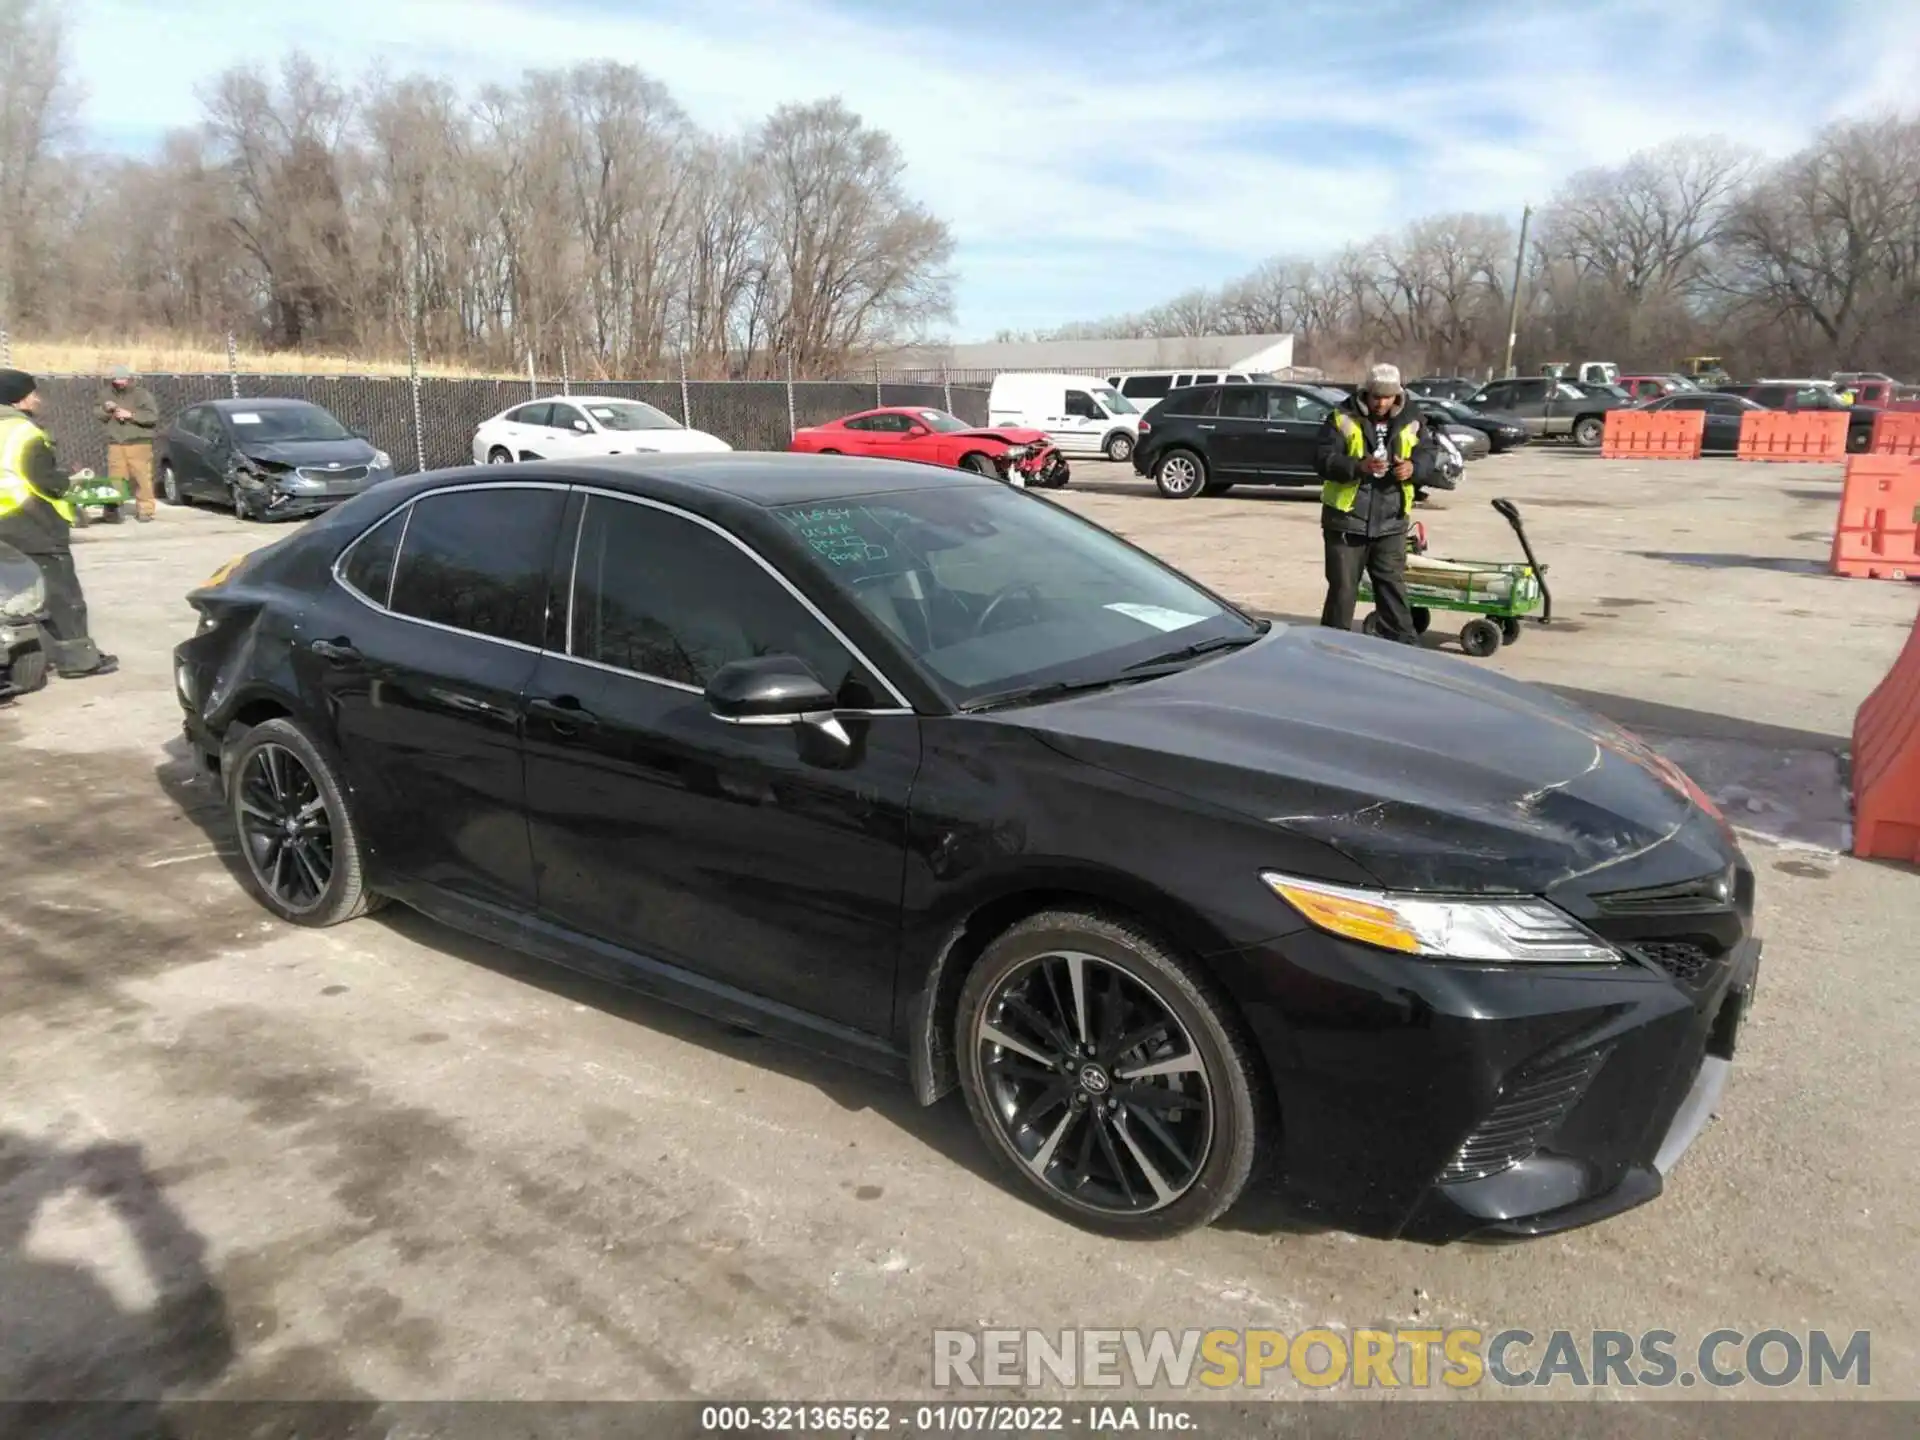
(572,426)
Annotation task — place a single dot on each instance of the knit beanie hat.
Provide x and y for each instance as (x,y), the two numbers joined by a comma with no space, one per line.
(15,386)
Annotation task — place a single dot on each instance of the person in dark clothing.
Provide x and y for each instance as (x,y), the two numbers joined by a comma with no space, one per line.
(36,519)
(1373,452)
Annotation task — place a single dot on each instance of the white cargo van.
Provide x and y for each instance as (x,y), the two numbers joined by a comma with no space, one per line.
(1080,414)
(1146,388)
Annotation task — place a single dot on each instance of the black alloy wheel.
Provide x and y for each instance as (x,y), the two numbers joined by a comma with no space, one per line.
(284,828)
(298,840)
(1106,1077)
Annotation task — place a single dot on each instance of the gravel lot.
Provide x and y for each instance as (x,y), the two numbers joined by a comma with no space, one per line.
(241,1160)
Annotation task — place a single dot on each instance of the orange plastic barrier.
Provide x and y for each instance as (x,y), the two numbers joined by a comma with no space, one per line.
(1653,435)
(1886,763)
(1793,435)
(1877,534)
(1897,432)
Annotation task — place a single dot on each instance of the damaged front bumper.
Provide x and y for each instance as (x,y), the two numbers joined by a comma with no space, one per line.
(1035,467)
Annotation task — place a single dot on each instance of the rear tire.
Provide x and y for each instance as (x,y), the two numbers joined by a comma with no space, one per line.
(1509,629)
(280,748)
(170,486)
(1127,1181)
(1119,447)
(1180,474)
(1589,431)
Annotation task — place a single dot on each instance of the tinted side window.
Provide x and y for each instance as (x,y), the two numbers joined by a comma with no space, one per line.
(477,560)
(565,417)
(1146,387)
(661,596)
(369,563)
(1194,402)
(1686,402)
(531,414)
(1243,402)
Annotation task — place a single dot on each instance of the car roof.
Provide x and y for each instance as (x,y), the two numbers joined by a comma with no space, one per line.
(276,402)
(588,400)
(726,481)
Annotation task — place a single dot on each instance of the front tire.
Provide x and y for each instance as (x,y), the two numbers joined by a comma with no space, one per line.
(1119,447)
(27,670)
(981,465)
(1107,1077)
(301,850)
(499,455)
(1180,474)
(1480,637)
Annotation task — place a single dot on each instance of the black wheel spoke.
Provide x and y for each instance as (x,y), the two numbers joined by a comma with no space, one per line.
(1095,1083)
(282,816)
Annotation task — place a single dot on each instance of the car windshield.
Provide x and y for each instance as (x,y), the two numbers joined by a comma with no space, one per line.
(629,415)
(941,421)
(275,423)
(999,595)
(1116,403)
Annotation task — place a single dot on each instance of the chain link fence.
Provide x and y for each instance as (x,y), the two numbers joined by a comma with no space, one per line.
(747,414)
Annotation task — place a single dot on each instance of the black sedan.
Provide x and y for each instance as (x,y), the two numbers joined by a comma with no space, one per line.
(1775,395)
(936,775)
(264,459)
(1722,434)
(1503,432)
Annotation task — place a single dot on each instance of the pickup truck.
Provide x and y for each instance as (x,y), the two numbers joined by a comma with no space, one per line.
(1551,409)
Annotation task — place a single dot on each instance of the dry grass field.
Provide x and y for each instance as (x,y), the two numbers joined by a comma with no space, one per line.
(170,356)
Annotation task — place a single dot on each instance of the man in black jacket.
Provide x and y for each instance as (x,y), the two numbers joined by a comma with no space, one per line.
(35,519)
(1373,452)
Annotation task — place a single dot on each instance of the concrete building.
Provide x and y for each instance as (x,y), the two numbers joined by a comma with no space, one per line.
(971,364)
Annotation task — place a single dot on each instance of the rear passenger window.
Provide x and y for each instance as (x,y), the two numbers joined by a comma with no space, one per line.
(1243,403)
(368,568)
(1193,402)
(477,560)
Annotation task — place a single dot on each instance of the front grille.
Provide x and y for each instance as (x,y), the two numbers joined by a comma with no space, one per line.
(1707,893)
(1531,1106)
(345,472)
(1682,959)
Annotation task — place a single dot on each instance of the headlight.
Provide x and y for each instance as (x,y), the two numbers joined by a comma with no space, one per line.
(1504,931)
(1019,452)
(382,460)
(25,604)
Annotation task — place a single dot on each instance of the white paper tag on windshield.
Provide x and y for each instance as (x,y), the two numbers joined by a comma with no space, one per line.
(1157,616)
(248,418)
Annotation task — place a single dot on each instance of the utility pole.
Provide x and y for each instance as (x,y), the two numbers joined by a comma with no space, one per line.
(1513,312)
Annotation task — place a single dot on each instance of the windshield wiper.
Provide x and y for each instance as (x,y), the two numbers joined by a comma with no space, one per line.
(1202,647)
(1038,694)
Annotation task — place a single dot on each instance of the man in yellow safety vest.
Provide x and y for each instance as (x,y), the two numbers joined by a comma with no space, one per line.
(1373,453)
(35,519)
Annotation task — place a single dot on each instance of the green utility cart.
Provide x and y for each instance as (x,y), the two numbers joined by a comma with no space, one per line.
(1499,594)
(95,497)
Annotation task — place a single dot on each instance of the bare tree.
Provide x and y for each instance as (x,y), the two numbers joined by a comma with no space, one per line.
(39,108)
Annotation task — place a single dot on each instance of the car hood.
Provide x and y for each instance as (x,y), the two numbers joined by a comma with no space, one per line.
(1426,772)
(351,451)
(1011,434)
(664,442)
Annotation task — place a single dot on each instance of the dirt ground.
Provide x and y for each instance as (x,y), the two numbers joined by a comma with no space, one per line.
(242,1160)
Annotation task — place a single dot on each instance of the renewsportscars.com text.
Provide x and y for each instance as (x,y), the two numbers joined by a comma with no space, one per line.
(1392,1359)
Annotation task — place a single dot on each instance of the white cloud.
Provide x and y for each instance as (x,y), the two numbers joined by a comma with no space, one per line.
(1123,151)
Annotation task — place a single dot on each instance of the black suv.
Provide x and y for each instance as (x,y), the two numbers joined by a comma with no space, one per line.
(1206,439)
(1552,409)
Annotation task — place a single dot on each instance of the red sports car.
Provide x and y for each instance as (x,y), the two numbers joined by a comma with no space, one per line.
(1022,457)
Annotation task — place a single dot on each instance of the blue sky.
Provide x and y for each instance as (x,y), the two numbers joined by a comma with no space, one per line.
(1098,157)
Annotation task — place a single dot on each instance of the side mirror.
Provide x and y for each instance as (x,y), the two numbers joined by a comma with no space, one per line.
(914,432)
(767,690)
(781,690)
(583,427)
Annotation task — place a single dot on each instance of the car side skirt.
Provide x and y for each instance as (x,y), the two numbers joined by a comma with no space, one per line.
(658,979)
